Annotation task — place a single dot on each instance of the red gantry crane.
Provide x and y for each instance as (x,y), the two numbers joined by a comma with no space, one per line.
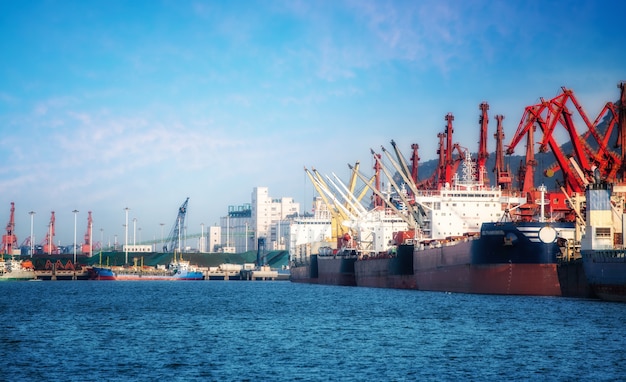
(483,154)
(547,115)
(48,242)
(503,173)
(9,240)
(86,248)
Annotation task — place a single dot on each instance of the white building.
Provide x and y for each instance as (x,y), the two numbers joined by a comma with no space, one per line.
(214,236)
(265,217)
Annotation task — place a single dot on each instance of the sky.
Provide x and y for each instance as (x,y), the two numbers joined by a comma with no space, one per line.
(112,104)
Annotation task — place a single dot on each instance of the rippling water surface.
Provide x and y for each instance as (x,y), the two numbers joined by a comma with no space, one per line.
(240,330)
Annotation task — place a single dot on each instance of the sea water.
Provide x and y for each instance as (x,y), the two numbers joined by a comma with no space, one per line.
(263,331)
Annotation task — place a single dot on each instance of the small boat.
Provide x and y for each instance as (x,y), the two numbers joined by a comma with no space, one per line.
(178,269)
(13,269)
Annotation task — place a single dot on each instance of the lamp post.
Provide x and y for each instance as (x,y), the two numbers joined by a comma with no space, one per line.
(126,237)
(101,245)
(134,231)
(202,237)
(75,212)
(32,240)
(162,243)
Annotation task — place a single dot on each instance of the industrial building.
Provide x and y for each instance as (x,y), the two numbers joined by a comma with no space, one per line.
(265,218)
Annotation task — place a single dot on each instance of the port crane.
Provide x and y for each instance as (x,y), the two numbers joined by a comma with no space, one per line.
(503,172)
(9,240)
(87,248)
(173,240)
(483,154)
(48,241)
(586,156)
(447,165)
(339,213)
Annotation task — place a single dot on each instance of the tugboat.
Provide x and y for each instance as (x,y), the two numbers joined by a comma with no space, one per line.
(13,269)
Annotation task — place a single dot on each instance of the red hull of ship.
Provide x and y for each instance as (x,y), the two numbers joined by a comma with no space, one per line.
(336,271)
(302,274)
(449,269)
(374,273)
(511,279)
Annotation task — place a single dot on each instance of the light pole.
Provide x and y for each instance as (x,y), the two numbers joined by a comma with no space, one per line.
(202,237)
(126,237)
(32,240)
(101,244)
(162,243)
(134,231)
(75,212)
(90,239)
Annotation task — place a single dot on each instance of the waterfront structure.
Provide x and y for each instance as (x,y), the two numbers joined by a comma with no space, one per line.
(264,217)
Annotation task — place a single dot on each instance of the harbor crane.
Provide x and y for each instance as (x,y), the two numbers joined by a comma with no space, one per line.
(9,240)
(48,242)
(558,111)
(87,248)
(173,241)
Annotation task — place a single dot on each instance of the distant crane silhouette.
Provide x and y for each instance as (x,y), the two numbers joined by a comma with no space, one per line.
(173,239)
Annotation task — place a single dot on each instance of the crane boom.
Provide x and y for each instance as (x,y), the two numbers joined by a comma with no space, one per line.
(9,240)
(48,243)
(173,240)
(87,248)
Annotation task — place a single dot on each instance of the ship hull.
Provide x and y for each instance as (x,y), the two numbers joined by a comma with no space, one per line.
(25,276)
(606,273)
(389,272)
(97,273)
(336,270)
(508,258)
(305,273)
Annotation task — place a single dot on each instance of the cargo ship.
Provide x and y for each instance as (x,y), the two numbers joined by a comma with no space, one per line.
(330,266)
(516,258)
(468,243)
(602,247)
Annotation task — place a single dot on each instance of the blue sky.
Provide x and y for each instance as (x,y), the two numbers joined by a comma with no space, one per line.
(140,104)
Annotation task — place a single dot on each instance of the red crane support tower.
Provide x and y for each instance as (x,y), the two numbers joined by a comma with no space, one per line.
(622,126)
(9,240)
(527,170)
(86,248)
(414,162)
(503,173)
(448,154)
(483,154)
(48,242)
(378,202)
